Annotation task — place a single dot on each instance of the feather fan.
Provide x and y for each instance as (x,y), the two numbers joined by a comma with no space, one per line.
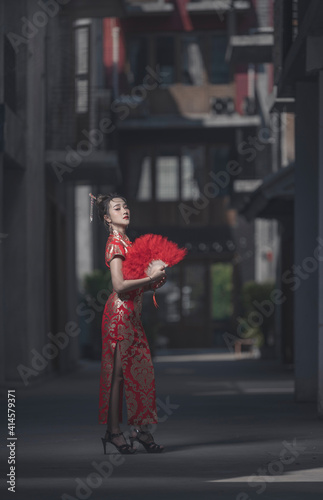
(148,248)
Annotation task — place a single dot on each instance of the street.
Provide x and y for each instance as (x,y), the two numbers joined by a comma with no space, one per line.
(231,430)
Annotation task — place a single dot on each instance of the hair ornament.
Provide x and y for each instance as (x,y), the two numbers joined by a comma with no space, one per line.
(91,207)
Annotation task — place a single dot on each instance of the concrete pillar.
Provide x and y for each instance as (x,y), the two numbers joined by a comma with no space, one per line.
(33,215)
(84,236)
(2,228)
(287,308)
(73,351)
(2,243)
(320,269)
(303,283)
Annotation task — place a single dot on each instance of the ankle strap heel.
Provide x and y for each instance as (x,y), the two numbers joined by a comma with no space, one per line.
(150,446)
(125,449)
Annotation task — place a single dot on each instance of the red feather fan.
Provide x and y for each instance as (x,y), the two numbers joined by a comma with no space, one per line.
(146,249)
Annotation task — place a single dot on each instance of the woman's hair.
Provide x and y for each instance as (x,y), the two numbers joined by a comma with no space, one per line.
(102,203)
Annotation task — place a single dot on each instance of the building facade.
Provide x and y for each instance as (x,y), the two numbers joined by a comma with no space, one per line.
(154,99)
(39,127)
(292,195)
(298,78)
(192,139)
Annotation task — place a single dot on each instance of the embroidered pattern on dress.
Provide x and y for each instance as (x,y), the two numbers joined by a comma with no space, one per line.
(121,322)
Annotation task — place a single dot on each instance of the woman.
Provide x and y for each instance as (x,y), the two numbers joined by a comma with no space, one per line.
(126,358)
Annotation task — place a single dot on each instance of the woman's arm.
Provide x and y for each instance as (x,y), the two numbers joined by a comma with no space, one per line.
(121,285)
(147,288)
(153,285)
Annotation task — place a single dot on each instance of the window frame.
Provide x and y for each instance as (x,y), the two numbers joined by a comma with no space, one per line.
(206,45)
(177,150)
(83,76)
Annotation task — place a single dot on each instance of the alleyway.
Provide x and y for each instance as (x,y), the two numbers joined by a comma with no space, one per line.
(225,425)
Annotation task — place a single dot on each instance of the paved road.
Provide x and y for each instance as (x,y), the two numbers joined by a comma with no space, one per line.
(231,429)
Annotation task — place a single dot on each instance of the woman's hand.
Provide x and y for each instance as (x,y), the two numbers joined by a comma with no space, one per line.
(159,283)
(156,270)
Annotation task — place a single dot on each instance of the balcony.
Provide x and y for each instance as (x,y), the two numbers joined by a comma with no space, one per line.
(281,104)
(185,107)
(189,121)
(254,48)
(274,198)
(96,8)
(136,8)
(217,6)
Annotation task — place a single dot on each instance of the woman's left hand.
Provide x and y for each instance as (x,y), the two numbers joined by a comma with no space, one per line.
(159,283)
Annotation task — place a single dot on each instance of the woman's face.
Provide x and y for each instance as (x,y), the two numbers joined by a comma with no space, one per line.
(119,213)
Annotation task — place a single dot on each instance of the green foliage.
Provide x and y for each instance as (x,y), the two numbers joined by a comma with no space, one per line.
(221,276)
(252,291)
(94,283)
(259,292)
(97,280)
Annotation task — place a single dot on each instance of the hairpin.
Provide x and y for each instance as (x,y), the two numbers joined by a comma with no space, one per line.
(91,207)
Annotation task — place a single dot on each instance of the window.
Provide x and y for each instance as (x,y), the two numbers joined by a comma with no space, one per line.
(145,182)
(167,179)
(138,59)
(172,297)
(81,54)
(82,69)
(165,58)
(192,163)
(173,173)
(82,89)
(194,292)
(219,68)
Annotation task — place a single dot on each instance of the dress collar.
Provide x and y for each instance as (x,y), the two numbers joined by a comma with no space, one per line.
(120,236)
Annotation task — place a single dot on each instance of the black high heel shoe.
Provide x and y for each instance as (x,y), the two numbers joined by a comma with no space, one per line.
(125,449)
(150,447)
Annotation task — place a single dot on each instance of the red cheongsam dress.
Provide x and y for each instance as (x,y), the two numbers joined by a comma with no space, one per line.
(121,322)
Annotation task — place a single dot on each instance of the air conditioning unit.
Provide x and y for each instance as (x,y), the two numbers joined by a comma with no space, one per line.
(222,105)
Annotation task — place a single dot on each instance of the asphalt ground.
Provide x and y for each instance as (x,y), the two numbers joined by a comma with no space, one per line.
(230,426)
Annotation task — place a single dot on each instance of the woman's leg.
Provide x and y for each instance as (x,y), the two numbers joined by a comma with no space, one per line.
(113,412)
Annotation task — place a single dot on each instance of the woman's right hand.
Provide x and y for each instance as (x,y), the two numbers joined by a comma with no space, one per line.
(156,270)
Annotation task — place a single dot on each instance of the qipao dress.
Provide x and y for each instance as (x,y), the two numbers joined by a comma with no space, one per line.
(121,322)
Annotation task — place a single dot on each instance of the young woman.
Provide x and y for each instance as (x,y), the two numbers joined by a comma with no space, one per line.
(126,358)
